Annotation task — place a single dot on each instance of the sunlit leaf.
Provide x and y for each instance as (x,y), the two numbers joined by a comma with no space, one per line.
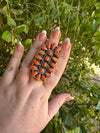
(7,36)
(95,25)
(76,130)
(20,28)
(10,21)
(27,43)
(98,106)
(2,11)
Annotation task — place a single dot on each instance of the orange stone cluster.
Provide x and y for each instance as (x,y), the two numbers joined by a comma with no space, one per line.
(45,61)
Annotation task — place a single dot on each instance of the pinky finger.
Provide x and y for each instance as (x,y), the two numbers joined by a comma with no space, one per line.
(12,68)
(56,103)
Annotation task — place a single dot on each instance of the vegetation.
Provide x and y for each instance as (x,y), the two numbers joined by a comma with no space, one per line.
(22,20)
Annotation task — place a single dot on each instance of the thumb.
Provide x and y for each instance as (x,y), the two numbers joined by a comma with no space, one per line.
(56,103)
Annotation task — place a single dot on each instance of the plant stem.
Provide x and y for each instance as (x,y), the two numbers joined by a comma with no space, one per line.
(69,19)
(7,5)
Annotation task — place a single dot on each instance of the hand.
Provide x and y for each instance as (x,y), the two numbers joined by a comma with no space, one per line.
(24,106)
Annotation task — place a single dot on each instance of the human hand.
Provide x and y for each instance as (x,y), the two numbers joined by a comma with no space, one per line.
(24,106)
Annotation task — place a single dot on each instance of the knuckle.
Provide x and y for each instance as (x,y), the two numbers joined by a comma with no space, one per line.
(9,68)
(57,72)
(16,54)
(58,104)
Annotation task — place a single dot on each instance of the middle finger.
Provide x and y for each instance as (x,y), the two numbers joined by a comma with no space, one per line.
(54,38)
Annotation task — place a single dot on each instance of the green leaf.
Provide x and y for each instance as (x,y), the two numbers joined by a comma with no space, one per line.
(11,51)
(82,129)
(21,28)
(3,12)
(26,29)
(5,8)
(10,21)
(27,43)
(67,121)
(39,19)
(16,12)
(99,52)
(7,36)
(19,19)
(95,25)
(98,105)
(65,130)
(76,130)
(54,13)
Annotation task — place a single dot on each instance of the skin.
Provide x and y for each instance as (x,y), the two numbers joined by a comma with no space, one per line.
(24,106)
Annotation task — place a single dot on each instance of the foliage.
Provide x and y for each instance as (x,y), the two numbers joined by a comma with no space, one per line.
(22,20)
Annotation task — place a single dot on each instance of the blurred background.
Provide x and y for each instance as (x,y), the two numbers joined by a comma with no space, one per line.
(79,20)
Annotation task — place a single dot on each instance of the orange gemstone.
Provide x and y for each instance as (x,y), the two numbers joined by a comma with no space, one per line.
(53,46)
(43,47)
(54,59)
(52,64)
(41,70)
(48,75)
(49,52)
(38,57)
(33,67)
(57,54)
(43,78)
(50,69)
(36,62)
(44,64)
(48,44)
(33,74)
(58,49)
(38,77)
(41,52)
(47,58)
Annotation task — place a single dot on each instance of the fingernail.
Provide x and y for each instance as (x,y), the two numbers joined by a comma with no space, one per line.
(56,33)
(57,28)
(20,43)
(67,39)
(71,97)
(44,31)
(42,37)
